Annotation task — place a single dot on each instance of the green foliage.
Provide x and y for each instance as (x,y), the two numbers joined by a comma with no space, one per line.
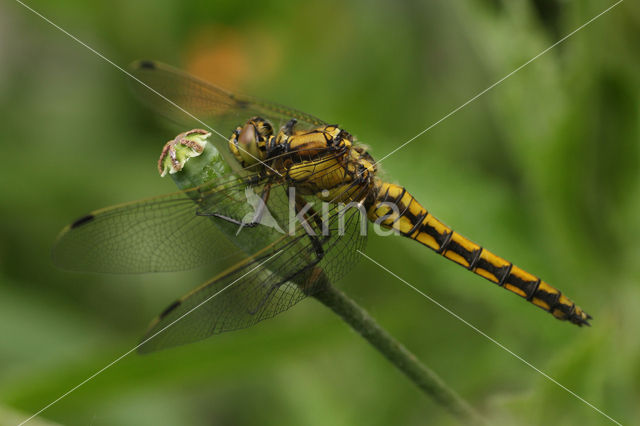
(543,170)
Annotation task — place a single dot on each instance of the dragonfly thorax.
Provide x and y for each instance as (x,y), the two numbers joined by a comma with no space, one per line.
(323,161)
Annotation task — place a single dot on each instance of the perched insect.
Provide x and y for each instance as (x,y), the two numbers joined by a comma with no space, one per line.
(292,165)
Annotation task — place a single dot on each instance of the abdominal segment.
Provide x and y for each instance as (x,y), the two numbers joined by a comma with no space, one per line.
(396,209)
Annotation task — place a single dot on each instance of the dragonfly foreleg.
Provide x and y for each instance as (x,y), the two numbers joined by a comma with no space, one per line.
(287,129)
(259,210)
(312,214)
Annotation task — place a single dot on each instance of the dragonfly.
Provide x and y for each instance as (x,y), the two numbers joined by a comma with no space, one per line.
(294,164)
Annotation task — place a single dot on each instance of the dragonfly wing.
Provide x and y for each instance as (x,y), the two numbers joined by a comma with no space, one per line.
(272,281)
(164,233)
(158,234)
(193,102)
(238,299)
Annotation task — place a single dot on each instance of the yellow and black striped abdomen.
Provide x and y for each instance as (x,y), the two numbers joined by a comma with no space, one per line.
(395,208)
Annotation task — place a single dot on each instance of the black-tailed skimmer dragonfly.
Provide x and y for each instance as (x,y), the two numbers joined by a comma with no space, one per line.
(236,206)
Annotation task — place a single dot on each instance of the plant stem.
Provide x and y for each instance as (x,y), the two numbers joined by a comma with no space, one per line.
(395,352)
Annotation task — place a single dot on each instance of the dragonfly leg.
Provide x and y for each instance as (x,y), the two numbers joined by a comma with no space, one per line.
(317,247)
(315,241)
(262,206)
(287,129)
(257,216)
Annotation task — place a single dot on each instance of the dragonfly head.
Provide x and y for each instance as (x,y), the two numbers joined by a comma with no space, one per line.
(248,143)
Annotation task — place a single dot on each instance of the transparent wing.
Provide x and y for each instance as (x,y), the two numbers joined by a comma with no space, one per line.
(163,233)
(273,280)
(196,103)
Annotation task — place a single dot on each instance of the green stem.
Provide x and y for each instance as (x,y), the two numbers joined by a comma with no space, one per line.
(395,352)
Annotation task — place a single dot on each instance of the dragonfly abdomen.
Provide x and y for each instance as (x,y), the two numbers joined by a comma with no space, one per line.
(396,209)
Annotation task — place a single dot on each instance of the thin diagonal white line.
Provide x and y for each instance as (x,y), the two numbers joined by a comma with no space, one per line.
(500,345)
(144,341)
(499,81)
(76,39)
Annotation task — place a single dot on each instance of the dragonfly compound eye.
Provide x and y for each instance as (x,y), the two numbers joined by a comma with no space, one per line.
(248,144)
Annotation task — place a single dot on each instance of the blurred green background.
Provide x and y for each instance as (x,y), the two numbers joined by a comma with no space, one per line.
(543,170)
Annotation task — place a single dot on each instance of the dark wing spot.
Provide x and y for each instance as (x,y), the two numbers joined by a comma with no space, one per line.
(169,308)
(82,221)
(149,65)
(241,104)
